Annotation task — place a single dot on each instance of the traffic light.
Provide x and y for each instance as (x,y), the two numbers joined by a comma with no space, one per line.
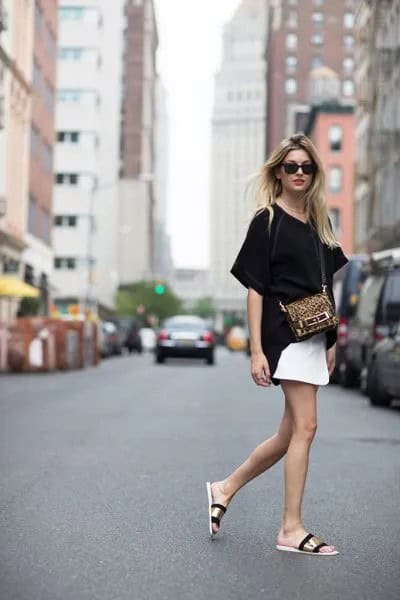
(159,289)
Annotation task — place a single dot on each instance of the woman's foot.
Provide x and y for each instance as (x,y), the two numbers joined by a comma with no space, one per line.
(219,496)
(292,539)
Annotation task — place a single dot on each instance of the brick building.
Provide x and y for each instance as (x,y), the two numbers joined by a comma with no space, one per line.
(136,242)
(38,257)
(303,36)
(331,127)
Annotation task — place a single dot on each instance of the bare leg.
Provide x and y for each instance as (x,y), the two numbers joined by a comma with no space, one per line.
(262,458)
(302,401)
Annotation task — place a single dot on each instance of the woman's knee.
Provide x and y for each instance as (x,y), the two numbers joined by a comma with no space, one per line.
(305,428)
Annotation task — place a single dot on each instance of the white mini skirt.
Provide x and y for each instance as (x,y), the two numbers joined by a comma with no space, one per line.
(305,361)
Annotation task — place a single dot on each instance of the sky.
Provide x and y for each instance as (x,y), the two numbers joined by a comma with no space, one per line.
(189,54)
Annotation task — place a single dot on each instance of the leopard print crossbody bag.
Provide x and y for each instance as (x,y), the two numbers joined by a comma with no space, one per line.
(312,314)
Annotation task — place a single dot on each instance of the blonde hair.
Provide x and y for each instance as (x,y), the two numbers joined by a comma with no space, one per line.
(269,186)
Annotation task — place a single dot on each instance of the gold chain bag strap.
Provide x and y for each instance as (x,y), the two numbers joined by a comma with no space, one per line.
(312,314)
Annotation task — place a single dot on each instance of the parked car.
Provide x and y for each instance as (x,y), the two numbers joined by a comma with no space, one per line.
(347,285)
(377,313)
(382,373)
(110,339)
(236,339)
(185,336)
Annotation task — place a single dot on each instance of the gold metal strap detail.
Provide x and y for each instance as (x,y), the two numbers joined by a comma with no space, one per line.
(312,543)
(217,512)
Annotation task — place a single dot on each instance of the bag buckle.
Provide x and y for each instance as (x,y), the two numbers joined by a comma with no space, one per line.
(316,319)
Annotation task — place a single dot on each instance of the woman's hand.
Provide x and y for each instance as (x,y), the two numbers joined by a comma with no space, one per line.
(331,359)
(260,369)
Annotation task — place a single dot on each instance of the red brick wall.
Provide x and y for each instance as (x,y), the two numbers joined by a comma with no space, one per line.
(132,99)
(43,113)
(343,200)
(332,53)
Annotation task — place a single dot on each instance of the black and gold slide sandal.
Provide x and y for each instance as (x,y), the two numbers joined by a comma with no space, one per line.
(215,511)
(311,544)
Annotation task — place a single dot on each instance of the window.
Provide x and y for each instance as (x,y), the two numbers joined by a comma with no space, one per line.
(65,262)
(70,53)
(291,63)
(335,179)
(71,13)
(348,64)
(86,96)
(348,20)
(291,86)
(291,41)
(348,41)
(334,215)
(65,220)
(317,39)
(68,137)
(66,178)
(318,2)
(317,18)
(69,95)
(348,88)
(335,136)
(292,20)
(316,62)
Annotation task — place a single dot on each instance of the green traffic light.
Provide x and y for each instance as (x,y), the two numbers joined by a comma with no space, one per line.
(159,289)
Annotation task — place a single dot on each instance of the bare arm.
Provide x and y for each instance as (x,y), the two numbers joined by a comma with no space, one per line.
(259,363)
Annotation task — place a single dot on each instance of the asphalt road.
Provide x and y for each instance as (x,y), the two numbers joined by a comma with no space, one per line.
(102,493)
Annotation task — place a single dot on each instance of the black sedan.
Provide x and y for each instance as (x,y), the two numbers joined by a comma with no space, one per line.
(185,336)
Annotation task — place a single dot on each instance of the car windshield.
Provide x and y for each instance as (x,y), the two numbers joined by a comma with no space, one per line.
(184,324)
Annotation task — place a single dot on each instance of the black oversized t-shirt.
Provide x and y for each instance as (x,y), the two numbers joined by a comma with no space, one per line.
(283,264)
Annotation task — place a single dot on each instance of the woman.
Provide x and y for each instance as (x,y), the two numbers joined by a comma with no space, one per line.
(279,262)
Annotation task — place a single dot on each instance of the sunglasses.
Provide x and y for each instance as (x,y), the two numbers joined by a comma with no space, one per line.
(291,168)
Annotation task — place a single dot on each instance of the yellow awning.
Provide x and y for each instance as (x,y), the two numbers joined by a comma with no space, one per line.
(15,288)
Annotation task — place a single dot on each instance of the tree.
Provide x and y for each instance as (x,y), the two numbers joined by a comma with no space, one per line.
(204,307)
(141,298)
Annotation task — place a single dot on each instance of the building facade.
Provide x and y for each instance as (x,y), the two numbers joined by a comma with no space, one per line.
(238,144)
(16,30)
(377,31)
(137,195)
(86,200)
(304,35)
(38,256)
(331,127)
(163,263)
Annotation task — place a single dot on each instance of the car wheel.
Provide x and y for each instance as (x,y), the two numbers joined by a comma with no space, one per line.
(211,359)
(347,376)
(159,358)
(377,393)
